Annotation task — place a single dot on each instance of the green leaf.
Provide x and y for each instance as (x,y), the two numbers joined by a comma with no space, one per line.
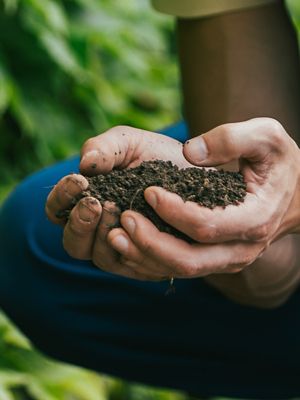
(10,6)
(11,335)
(51,13)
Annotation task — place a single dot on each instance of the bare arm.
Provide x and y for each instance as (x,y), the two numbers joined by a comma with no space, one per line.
(269,281)
(234,67)
(239,66)
(226,240)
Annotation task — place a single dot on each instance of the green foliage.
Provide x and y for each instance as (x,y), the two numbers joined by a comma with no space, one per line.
(27,375)
(72,68)
(294,8)
(24,371)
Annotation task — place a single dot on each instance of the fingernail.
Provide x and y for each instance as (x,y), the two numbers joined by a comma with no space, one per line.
(86,213)
(73,187)
(196,149)
(151,199)
(120,243)
(129,224)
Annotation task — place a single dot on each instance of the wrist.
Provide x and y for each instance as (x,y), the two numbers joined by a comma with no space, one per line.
(269,281)
(296,203)
(291,222)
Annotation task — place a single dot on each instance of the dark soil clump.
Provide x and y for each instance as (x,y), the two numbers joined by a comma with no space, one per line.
(209,188)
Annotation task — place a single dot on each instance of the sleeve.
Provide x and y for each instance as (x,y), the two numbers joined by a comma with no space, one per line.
(202,8)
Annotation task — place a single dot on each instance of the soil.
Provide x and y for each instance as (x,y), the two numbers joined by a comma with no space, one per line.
(209,188)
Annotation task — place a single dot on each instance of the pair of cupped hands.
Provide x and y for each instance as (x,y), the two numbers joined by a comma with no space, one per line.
(225,240)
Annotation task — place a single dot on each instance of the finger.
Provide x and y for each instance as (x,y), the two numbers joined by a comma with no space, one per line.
(124,146)
(116,147)
(80,230)
(250,220)
(104,255)
(62,195)
(110,219)
(131,273)
(184,259)
(109,259)
(253,140)
(132,257)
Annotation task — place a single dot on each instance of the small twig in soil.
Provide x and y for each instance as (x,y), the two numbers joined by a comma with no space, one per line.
(133,198)
(171,289)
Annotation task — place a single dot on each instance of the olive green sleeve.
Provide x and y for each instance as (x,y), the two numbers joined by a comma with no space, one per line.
(202,8)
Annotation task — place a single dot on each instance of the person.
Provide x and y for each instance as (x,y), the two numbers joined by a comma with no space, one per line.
(233,329)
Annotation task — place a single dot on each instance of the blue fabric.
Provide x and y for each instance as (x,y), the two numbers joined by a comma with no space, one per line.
(195,339)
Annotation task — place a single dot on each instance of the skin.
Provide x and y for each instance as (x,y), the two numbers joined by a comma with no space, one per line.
(241,65)
(234,67)
(86,231)
(227,241)
(238,66)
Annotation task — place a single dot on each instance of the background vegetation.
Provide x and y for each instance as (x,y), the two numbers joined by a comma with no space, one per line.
(70,69)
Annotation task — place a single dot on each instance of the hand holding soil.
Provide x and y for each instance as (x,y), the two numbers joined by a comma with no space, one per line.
(225,239)
(86,229)
(125,188)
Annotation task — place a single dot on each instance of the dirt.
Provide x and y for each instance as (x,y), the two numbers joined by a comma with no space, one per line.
(208,188)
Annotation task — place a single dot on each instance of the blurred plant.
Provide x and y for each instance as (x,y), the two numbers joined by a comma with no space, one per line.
(25,374)
(72,68)
(294,9)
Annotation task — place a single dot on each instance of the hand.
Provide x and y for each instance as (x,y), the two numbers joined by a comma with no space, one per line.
(228,239)
(89,223)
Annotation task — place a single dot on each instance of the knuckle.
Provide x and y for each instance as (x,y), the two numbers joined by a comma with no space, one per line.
(227,131)
(203,232)
(246,260)
(184,268)
(147,247)
(104,153)
(273,124)
(259,233)
(89,142)
(247,255)
(275,133)
(119,129)
(228,135)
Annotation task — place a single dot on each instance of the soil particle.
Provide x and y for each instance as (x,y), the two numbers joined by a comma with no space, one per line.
(208,188)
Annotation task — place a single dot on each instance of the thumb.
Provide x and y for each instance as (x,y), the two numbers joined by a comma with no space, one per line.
(252,139)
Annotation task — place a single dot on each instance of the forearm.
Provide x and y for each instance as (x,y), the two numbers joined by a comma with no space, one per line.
(235,67)
(238,66)
(269,281)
